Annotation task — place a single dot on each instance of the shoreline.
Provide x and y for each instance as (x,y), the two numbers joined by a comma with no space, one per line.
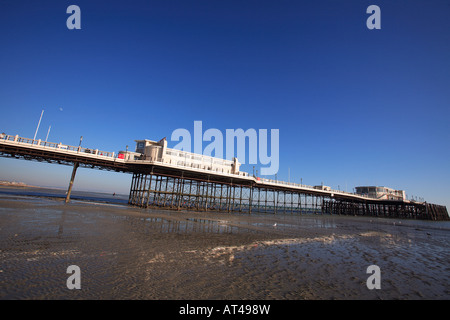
(16,184)
(60,194)
(22,185)
(121,199)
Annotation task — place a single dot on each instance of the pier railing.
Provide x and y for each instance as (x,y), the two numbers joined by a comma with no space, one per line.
(305,186)
(114,157)
(237,192)
(56,146)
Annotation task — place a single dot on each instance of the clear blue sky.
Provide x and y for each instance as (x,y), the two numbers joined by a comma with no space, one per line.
(354,106)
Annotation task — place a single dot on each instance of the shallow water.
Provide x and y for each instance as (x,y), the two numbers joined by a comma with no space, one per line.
(130,253)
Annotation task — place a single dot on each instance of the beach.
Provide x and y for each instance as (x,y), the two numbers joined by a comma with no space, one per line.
(154,254)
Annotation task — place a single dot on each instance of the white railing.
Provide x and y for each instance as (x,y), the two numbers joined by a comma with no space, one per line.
(182,164)
(55,146)
(197,158)
(304,186)
(187,165)
(111,155)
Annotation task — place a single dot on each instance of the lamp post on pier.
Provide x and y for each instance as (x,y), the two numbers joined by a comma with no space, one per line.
(48,132)
(39,123)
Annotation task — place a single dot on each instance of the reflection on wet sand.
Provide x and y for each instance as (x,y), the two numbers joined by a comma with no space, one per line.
(189,225)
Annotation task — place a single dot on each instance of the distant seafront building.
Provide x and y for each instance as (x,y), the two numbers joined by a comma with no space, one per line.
(158,151)
(383,193)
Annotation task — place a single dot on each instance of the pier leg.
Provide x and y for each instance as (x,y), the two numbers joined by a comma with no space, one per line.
(74,171)
(250,200)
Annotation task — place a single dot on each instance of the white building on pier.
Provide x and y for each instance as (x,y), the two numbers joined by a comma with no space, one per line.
(158,151)
(381,193)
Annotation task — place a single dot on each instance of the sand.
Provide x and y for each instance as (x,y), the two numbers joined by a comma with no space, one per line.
(131,253)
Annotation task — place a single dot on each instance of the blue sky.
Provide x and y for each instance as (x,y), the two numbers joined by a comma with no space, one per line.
(354,106)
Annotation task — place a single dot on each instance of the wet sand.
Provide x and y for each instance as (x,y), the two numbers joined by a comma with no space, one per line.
(130,253)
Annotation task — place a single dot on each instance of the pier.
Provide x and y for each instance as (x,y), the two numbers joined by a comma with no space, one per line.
(173,179)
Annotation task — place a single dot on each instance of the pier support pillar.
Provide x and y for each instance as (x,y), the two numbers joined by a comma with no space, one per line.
(74,171)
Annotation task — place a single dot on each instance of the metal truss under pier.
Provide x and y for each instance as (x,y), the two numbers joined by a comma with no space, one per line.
(179,192)
(388,209)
